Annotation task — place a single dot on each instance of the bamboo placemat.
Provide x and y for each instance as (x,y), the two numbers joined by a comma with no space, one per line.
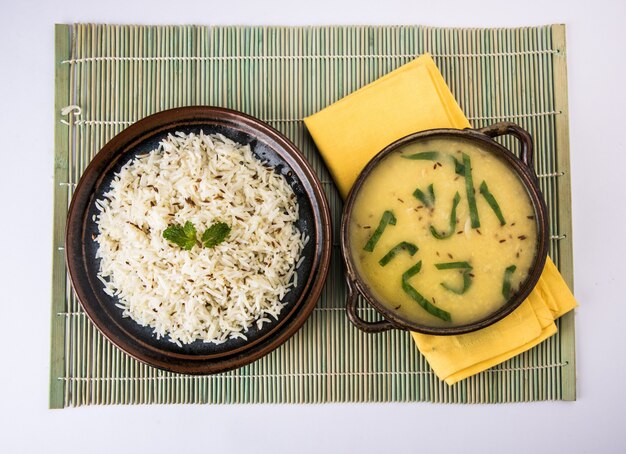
(108,77)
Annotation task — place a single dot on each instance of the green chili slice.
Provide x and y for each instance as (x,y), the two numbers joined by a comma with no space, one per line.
(466,271)
(506,284)
(387,218)
(469,189)
(408,274)
(427,305)
(427,199)
(491,200)
(418,298)
(403,246)
(423,156)
(467,283)
(452,227)
(459,168)
(453,266)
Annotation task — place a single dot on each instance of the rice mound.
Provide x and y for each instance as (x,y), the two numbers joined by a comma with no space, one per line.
(208,294)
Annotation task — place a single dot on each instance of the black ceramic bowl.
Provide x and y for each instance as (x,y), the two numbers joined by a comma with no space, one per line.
(140,342)
(522,167)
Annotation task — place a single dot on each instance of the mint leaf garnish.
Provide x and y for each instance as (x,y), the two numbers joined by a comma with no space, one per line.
(183,236)
(215,234)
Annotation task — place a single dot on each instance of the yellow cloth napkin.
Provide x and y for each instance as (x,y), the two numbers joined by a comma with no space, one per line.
(413,98)
(350,132)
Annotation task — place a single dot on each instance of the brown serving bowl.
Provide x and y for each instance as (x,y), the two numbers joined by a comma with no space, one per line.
(268,145)
(522,167)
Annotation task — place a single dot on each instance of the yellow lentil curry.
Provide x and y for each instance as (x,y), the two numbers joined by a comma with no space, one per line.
(443,232)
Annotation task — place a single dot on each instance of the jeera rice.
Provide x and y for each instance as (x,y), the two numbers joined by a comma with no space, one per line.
(208,294)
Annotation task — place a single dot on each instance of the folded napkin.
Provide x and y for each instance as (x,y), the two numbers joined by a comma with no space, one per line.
(413,98)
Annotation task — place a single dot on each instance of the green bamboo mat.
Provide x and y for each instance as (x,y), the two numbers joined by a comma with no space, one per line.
(108,77)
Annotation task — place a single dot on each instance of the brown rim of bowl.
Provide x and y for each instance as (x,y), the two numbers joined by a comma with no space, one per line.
(141,350)
(523,168)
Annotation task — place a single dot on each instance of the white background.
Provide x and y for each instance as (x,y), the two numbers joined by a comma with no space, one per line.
(596,39)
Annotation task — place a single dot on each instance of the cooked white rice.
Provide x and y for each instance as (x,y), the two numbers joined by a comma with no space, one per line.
(207,294)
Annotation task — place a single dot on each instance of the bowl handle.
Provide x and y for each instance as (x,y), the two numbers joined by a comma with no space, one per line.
(526,140)
(368,327)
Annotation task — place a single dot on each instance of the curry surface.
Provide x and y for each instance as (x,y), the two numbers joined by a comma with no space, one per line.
(489,249)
